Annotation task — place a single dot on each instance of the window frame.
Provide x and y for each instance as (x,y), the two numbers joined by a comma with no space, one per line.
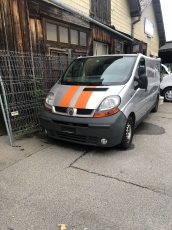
(95,47)
(70,27)
(71,36)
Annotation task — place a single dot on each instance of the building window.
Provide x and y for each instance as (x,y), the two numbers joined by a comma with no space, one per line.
(100,48)
(64,33)
(135,48)
(51,32)
(74,37)
(118,47)
(144,50)
(83,39)
(64,37)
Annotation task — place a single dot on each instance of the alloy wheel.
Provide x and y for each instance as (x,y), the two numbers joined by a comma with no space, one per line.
(128,132)
(168,95)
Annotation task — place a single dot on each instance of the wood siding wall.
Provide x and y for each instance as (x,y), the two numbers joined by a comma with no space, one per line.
(100,35)
(14,32)
(101,10)
(120,16)
(80,5)
(152,43)
(22,24)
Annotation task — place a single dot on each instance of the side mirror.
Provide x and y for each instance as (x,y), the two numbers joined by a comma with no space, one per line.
(142,82)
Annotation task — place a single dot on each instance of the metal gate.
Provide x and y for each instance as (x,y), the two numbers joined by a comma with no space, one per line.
(25,80)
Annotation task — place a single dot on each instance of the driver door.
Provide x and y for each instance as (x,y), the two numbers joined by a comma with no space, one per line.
(141,94)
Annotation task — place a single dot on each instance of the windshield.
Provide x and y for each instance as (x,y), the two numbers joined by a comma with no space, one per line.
(105,70)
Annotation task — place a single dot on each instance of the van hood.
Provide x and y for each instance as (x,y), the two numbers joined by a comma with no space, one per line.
(82,97)
(167,78)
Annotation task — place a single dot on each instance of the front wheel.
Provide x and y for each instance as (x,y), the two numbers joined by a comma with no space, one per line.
(128,134)
(167,93)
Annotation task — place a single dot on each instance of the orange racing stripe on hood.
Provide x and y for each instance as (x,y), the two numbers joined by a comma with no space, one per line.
(68,96)
(83,98)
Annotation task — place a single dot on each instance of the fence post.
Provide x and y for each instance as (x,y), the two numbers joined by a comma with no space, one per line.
(7,120)
(6,124)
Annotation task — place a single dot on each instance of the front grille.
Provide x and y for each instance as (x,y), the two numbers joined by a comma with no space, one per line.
(59,109)
(70,124)
(93,140)
(84,111)
(52,133)
(73,137)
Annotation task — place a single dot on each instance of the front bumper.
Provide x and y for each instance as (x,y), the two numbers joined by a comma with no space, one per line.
(87,131)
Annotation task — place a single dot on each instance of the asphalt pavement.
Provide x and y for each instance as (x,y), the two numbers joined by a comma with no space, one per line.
(47,184)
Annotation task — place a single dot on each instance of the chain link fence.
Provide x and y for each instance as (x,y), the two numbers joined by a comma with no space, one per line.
(26,80)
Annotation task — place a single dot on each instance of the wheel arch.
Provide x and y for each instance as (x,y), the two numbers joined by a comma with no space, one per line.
(166,99)
(168,87)
(133,116)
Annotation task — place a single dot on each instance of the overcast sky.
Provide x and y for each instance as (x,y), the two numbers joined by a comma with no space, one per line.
(166,6)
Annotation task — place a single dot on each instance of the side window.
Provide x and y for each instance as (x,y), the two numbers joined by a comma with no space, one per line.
(141,68)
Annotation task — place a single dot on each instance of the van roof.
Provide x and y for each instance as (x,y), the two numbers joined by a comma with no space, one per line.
(111,55)
(122,55)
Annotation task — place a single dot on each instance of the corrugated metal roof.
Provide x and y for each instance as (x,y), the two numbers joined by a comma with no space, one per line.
(144,3)
(167,46)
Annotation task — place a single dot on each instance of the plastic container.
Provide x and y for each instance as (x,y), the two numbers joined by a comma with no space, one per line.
(161,100)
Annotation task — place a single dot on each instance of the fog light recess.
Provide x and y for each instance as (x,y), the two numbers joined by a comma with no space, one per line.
(104,141)
(45,131)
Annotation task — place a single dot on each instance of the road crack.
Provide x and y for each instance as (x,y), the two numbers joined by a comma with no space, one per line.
(83,154)
(120,180)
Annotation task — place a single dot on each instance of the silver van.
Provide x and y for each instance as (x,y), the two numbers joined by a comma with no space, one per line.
(99,100)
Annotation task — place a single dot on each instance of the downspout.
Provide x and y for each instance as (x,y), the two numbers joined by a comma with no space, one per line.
(132,30)
(59,3)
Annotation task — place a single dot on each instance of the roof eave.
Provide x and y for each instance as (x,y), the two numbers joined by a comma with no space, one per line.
(159,21)
(135,8)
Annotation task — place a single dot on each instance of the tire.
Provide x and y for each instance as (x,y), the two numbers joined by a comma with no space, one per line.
(167,93)
(128,134)
(155,109)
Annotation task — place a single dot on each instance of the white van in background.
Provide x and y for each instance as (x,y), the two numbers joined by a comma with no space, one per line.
(99,100)
(166,84)
(166,88)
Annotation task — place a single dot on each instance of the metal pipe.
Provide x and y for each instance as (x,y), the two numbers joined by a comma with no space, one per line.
(59,3)
(31,47)
(132,30)
(7,121)
(6,124)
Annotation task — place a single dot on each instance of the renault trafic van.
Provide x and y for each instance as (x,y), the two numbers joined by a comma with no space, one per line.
(99,100)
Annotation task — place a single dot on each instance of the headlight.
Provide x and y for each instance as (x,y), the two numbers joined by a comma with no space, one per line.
(108,106)
(49,99)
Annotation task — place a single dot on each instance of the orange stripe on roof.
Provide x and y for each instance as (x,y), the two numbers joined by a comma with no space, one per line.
(83,98)
(68,96)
